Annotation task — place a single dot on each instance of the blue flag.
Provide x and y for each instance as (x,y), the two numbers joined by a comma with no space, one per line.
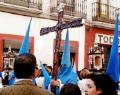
(25,44)
(47,77)
(12,78)
(66,73)
(75,75)
(113,65)
(74,70)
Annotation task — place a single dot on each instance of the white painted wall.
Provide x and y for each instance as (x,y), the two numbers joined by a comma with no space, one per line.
(115,3)
(43,45)
(46,6)
(89,10)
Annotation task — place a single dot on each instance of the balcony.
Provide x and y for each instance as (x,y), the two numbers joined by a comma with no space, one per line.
(104,13)
(72,8)
(24,3)
(23,7)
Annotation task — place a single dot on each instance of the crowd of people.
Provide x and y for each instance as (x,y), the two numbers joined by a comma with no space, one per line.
(28,79)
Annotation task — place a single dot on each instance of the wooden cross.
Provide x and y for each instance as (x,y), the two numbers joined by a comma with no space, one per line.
(58,28)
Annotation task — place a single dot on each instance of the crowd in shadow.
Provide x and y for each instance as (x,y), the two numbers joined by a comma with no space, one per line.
(27,79)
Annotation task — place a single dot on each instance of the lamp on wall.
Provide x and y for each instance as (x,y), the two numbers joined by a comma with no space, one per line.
(91,57)
(96,58)
(9,57)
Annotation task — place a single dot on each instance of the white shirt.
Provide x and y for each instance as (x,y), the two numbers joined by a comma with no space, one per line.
(40,81)
(81,84)
(22,79)
(1,86)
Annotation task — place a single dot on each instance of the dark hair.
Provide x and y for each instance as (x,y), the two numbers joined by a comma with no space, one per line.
(104,82)
(24,65)
(70,89)
(49,67)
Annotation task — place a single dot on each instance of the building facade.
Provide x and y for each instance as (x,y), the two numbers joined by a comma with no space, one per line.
(99,16)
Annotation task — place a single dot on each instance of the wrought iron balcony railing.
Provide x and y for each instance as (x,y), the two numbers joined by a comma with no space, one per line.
(104,13)
(37,4)
(71,8)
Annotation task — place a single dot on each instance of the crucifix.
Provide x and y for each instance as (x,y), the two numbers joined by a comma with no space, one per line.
(58,28)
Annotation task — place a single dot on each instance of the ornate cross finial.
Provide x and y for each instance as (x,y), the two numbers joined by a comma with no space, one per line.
(61,7)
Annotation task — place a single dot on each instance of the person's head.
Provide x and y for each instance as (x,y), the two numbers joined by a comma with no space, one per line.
(83,73)
(49,69)
(100,84)
(70,89)
(45,65)
(36,71)
(24,66)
